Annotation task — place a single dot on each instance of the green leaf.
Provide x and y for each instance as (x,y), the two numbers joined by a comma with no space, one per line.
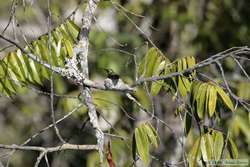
(209,145)
(181,87)
(181,82)
(179,64)
(188,123)
(69,47)
(190,61)
(207,97)
(142,145)
(35,72)
(72,28)
(150,62)
(56,36)
(65,34)
(152,134)
(201,99)
(187,84)
(8,85)
(203,149)
(233,150)
(218,144)
(182,64)
(194,153)
(22,69)
(206,147)
(4,89)
(226,99)
(212,100)
(156,86)
(44,71)
(194,90)
(58,48)
(16,66)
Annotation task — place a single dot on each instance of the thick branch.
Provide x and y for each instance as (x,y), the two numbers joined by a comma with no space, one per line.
(81,57)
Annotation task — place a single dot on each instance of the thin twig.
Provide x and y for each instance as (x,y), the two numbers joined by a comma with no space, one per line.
(12,15)
(134,24)
(242,102)
(47,127)
(126,10)
(47,160)
(52,79)
(39,158)
(242,69)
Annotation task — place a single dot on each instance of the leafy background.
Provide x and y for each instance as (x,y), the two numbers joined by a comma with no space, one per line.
(178,28)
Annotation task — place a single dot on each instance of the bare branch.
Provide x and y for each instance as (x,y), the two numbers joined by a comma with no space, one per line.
(122,10)
(65,146)
(47,160)
(242,69)
(46,128)
(39,158)
(52,80)
(51,125)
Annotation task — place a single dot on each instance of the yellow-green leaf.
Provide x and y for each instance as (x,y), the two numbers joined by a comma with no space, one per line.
(212,100)
(218,144)
(181,87)
(209,145)
(194,153)
(156,86)
(190,61)
(142,145)
(226,99)
(201,99)
(204,149)
(72,28)
(152,134)
(194,90)
(150,63)
(69,47)
(233,150)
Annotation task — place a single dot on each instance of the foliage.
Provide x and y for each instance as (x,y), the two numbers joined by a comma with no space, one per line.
(144,136)
(212,123)
(16,69)
(210,146)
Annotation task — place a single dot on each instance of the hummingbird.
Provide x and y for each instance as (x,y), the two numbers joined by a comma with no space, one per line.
(113,76)
(113,80)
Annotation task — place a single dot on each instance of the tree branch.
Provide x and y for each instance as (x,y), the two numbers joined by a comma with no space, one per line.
(81,57)
(206,62)
(71,74)
(65,146)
